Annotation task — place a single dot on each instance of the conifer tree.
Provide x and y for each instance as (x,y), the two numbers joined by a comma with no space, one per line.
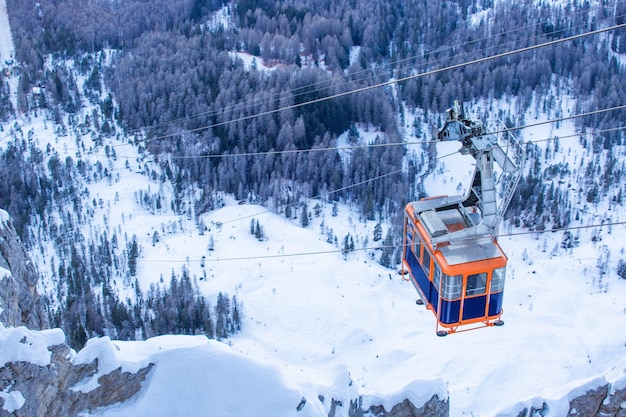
(304,216)
(133,253)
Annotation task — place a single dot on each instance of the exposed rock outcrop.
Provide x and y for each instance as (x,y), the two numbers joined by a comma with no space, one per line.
(20,304)
(601,401)
(434,407)
(614,405)
(46,391)
(589,403)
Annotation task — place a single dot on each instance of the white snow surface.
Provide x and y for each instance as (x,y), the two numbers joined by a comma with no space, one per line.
(6,40)
(346,327)
(22,344)
(13,400)
(4,217)
(251,62)
(209,377)
(6,49)
(221,19)
(319,312)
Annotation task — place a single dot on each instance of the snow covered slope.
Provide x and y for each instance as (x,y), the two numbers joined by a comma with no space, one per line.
(311,315)
(6,48)
(341,326)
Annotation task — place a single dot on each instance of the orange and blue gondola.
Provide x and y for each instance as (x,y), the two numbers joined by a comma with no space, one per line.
(462,281)
(451,253)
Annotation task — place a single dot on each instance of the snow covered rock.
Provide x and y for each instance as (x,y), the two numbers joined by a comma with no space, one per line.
(20,304)
(39,374)
(175,375)
(589,403)
(601,396)
(614,405)
(421,398)
(435,407)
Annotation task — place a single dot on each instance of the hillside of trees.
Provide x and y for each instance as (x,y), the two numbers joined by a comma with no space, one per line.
(50,197)
(161,76)
(171,76)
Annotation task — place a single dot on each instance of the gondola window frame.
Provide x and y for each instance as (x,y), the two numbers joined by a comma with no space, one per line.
(476,284)
(452,287)
(498,276)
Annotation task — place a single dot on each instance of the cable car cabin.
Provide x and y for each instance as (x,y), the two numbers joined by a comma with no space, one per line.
(461,281)
(450,250)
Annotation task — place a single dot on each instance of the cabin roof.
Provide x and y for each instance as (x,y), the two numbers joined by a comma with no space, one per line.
(464,251)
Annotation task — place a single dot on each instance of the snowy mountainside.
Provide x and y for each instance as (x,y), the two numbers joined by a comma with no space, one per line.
(123,245)
(189,376)
(321,316)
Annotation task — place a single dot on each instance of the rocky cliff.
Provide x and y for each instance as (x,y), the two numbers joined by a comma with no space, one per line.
(596,399)
(20,304)
(43,378)
(604,400)
(435,407)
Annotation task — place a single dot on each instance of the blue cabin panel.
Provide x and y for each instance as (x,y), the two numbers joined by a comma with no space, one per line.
(421,279)
(474,307)
(434,296)
(450,311)
(495,303)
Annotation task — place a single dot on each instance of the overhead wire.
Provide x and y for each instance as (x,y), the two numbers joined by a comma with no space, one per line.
(327,193)
(390,82)
(439,50)
(370,248)
(561,119)
(389,144)
(391,173)
(279,95)
(500,55)
(399,171)
(382,84)
(578,134)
